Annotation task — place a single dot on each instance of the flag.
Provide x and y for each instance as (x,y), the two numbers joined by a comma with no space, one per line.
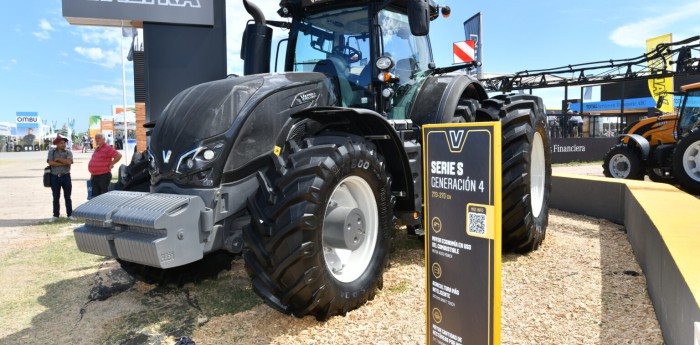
(660,85)
(472,31)
(129,32)
(587,92)
(463,51)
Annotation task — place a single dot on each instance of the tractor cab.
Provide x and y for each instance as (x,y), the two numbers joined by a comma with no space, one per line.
(690,110)
(377,53)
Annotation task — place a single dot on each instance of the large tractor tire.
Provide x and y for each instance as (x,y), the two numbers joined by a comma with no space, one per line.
(527,169)
(321,227)
(623,162)
(686,162)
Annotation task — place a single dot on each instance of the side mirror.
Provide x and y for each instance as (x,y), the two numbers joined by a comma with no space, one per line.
(419,17)
(660,101)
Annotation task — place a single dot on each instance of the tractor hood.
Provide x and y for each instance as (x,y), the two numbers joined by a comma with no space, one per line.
(200,112)
(215,116)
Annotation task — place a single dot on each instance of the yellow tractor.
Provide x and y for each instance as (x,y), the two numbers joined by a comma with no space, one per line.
(666,148)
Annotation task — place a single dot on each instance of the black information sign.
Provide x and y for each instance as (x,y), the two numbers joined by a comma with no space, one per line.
(463,232)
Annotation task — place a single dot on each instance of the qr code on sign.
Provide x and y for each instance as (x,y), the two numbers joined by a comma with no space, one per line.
(477,223)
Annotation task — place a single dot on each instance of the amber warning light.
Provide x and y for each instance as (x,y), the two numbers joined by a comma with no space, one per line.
(445,11)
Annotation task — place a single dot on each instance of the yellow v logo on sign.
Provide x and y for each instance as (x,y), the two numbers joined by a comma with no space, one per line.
(456,138)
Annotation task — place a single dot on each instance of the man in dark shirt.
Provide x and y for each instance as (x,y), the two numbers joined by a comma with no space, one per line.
(60,161)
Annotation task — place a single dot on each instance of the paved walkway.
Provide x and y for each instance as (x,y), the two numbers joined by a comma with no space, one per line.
(25,200)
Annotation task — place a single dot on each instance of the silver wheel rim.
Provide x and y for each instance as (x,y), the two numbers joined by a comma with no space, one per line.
(537,174)
(691,161)
(352,193)
(619,160)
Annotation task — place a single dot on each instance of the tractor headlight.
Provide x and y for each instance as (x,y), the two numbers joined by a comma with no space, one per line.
(200,158)
(384,63)
(208,154)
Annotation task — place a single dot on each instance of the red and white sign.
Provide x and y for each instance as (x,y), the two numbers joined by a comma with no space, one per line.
(463,51)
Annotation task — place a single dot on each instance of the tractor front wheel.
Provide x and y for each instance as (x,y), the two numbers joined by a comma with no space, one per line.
(686,162)
(623,162)
(321,228)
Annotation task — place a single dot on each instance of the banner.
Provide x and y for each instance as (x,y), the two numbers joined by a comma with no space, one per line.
(95,125)
(472,31)
(660,85)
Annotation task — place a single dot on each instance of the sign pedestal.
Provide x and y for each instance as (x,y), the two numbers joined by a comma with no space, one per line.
(463,232)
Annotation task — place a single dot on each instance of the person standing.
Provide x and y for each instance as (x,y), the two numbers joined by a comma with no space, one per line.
(576,125)
(101,163)
(84,142)
(60,161)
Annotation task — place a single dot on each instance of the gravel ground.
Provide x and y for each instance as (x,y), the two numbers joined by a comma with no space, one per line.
(583,286)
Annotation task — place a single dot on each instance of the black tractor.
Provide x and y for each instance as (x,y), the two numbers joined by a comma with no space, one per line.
(308,173)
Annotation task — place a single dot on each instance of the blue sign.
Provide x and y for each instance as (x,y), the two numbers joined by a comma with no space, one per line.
(631,103)
(472,31)
(692,101)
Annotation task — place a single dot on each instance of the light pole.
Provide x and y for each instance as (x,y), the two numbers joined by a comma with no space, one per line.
(126,126)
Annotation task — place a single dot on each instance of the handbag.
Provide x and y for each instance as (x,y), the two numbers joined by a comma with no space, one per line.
(47,172)
(47,176)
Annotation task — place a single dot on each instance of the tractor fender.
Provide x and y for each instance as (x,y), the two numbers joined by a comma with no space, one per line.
(641,141)
(439,96)
(365,123)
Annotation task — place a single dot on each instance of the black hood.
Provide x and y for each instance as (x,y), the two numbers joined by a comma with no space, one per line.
(219,114)
(198,113)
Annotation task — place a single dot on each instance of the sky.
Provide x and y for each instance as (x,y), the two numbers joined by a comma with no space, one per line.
(63,71)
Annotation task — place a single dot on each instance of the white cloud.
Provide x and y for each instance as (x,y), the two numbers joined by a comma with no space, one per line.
(104,45)
(97,36)
(45,25)
(8,65)
(634,35)
(102,57)
(44,30)
(42,35)
(99,91)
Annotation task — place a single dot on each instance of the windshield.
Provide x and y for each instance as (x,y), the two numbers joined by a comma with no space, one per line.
(691,112)
(411,55)
(337,43)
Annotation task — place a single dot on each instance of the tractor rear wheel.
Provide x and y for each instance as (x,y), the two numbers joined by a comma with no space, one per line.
(527,169)
(321,227)
(623,162)
(686,162)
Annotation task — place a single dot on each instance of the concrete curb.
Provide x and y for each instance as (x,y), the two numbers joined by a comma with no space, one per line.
(664,229)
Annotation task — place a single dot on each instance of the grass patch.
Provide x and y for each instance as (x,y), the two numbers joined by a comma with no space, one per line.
(227,296)
(41,278)
(402,241)
(402,286)
(176,312)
